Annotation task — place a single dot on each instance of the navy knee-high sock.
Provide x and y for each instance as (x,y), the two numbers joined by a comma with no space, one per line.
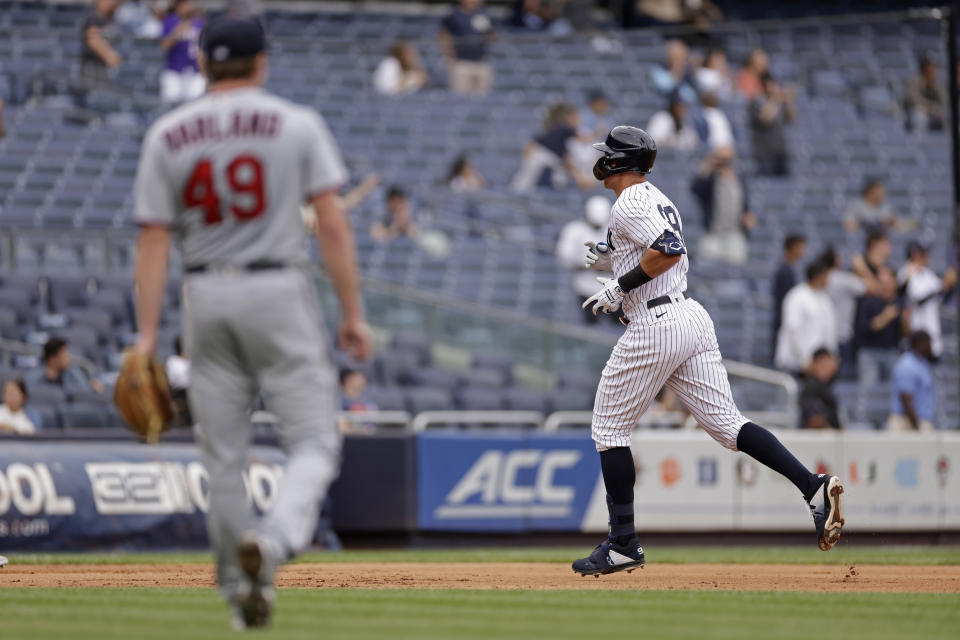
(619,476)
(763,446)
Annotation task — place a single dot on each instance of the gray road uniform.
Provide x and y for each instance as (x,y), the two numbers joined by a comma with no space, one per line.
(227,173)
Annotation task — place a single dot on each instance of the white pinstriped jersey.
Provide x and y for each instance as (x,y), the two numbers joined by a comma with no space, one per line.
(639,217)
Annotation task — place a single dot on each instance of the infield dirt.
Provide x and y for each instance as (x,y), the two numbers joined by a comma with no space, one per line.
(782,577)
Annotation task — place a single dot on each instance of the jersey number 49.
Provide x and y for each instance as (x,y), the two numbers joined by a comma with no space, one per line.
(244,175)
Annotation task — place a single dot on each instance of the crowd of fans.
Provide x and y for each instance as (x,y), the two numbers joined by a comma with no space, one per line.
(880,325)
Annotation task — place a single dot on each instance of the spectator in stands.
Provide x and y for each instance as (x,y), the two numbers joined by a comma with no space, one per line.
(723,200)
(541,15)
(926,98)
(675,77)
(97,55)
(750,78)
(351,200)
(713,125)
(400,72)
(13,419)
(913,393)
(463,177)
(845,288)
(672,128)
(877,254)
(464,35)
(143,18)
(547,159)
(354,397)
(181,79)
(570,248)
(57,371)
(809,322)
(818,403)
(714,76)
(595,117)
(399,221)
(879,325)
(924,291)
(870,211)
(594,123)
(786,277)
(770,112)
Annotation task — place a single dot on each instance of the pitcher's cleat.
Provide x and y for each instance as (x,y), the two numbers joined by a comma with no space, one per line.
(253,603)
(3,562)
(827,511)
(610,557)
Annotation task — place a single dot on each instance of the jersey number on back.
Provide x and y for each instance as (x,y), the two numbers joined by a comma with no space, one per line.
(245,177)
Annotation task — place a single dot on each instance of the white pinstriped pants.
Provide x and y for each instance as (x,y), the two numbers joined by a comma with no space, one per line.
(674,345)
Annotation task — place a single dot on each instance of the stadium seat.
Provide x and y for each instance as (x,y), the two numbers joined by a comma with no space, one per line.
(82,416)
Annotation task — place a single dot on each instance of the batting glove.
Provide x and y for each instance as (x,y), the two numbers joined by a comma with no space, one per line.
(598,256)
(608,299)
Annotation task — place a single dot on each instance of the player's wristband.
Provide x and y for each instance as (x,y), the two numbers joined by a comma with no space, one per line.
(633,279)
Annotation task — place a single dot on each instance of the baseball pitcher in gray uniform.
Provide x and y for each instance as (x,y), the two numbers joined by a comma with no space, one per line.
(669,340)
(226,175)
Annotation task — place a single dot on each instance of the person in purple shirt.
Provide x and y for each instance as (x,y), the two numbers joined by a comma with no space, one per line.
(181,79)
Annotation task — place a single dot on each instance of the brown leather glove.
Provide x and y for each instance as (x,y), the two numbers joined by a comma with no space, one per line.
(142,396)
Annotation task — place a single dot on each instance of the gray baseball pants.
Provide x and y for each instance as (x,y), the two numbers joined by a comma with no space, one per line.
(260,331)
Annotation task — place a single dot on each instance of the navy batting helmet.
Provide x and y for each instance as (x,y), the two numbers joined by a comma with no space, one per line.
(625,149)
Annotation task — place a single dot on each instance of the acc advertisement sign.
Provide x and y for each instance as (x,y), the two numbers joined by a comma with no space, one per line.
(504,482)
(83,495)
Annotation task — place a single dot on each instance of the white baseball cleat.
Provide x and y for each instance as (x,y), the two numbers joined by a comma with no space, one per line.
(3,562)
(827,512)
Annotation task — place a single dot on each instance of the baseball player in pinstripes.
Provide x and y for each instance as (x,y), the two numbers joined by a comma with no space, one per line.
(669,340)
(227,173)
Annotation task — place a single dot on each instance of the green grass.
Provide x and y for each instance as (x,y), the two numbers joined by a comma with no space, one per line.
(106,614)
(843,554)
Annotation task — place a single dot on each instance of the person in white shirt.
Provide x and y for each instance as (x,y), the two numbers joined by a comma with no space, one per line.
(400,72)
(719,131)
(672,128)
(178,375)
(845,288)
(13,419)
(809,321)
(924,291)
(570,247)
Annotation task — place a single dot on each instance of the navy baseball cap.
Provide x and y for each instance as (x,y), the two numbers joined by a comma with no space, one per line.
(232,37)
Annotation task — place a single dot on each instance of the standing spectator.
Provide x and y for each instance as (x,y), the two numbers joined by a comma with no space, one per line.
(926,98)
(722,196)
(785,278)
(913,394)
(877,253)
(924,292)
(809,322)
(400,72)
(750,78)
(464,35)
(13,419)
(675,77)
(714,76)
(770,112)
(570,248)
(672,127)
(547,159)
(399,220)
(463,177)
(716,128)
(143,18)
(97,55)
(879,326)
(181,79)
(58,372)
(845,288)
(870,211)
(818,403)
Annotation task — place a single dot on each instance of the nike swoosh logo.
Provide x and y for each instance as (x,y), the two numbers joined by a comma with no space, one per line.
(660,315)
